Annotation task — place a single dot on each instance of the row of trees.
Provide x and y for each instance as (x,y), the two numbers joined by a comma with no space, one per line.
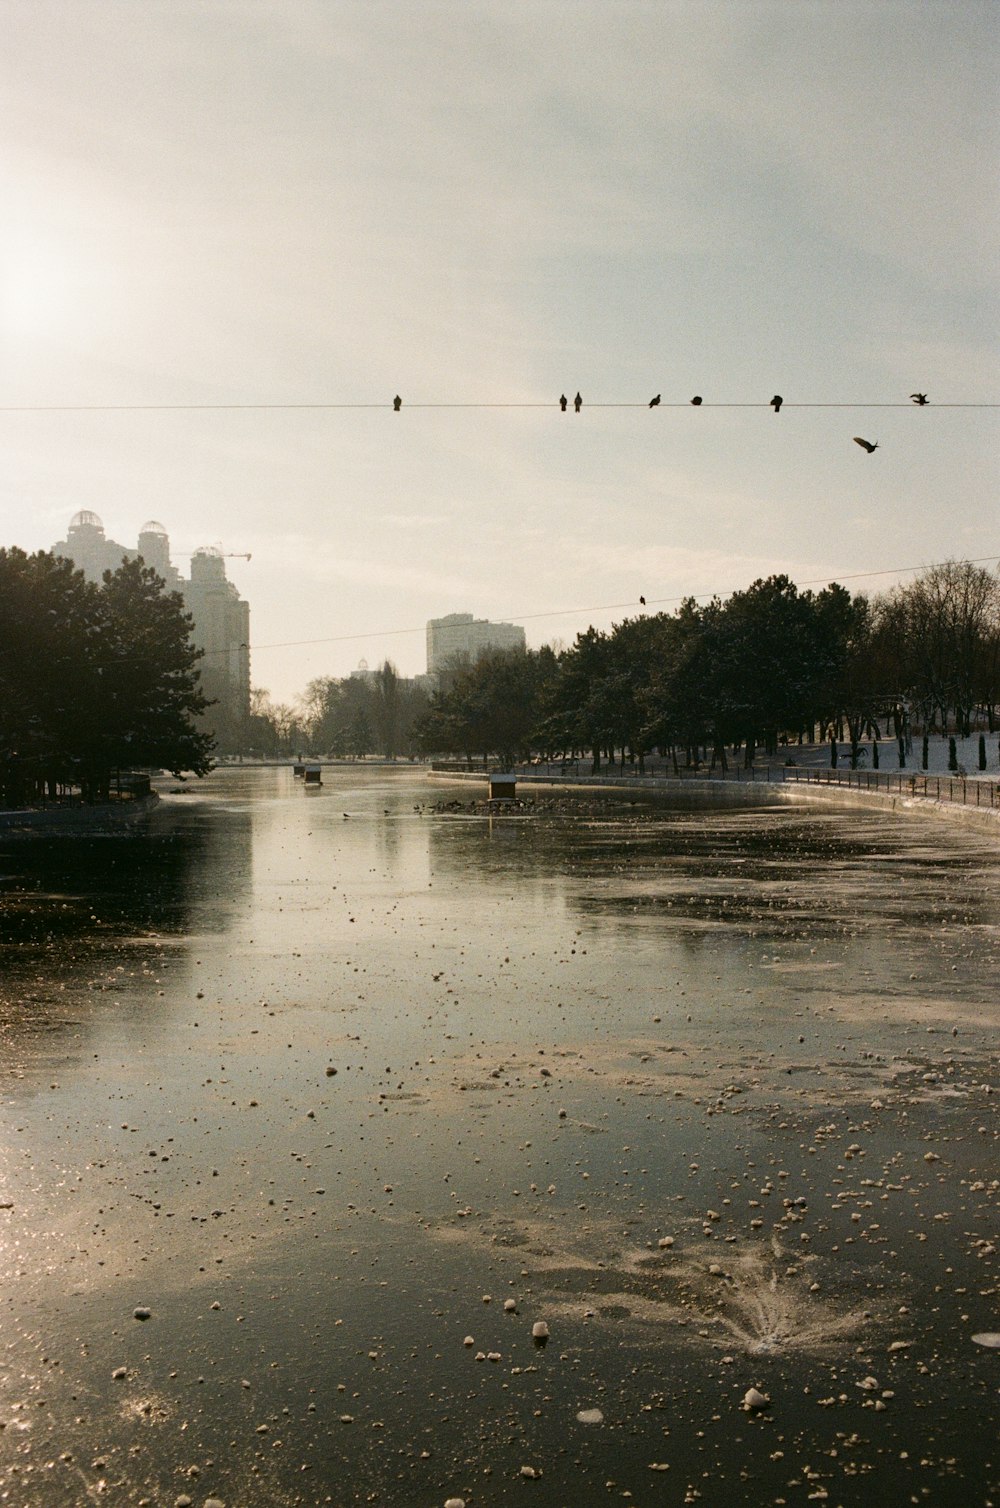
(93,678)
(373,712)
(940,637)
(769,662)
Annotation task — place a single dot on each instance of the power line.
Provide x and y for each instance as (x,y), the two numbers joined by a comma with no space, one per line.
(606,607)
(561,612)
(156,408)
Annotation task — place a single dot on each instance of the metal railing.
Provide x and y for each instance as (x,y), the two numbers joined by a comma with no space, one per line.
(953,788)
(956,788)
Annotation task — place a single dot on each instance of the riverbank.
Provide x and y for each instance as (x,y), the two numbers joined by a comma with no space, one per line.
(792,758)
(695,793)
(802,775)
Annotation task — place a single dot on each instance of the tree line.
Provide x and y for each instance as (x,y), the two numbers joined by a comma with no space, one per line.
(94,679)
(370,712)
(727,678)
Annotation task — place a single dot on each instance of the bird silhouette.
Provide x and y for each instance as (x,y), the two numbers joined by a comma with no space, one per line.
(919,398)
(397,403)
(578,403)
(642,601)
(562,402)
(776,402)
(654,402)
(696,401)
(866,444)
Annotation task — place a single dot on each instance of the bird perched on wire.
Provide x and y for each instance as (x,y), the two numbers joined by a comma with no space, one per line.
(919,398)
(397,403)
(642,601)
(776,402)
(562,402)
(868,445)
(578,403)
(655,402)
(696,400)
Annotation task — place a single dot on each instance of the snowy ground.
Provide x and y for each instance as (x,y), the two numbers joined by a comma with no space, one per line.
(815,756)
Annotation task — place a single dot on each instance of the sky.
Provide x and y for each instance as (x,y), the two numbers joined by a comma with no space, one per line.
(481,206)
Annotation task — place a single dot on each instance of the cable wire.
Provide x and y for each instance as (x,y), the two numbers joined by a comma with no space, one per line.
(560,612)
(606,607)
(156,408)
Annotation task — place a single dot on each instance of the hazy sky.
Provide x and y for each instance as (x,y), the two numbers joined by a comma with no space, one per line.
(469,202)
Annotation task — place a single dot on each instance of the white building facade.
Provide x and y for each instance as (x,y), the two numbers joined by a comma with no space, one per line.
(463,635)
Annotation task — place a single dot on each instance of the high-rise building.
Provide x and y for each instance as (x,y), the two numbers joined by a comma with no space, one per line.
(154,547)
(221,626)
(222,630)
(463,635)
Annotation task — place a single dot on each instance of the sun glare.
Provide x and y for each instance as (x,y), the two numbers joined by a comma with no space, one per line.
(34,293)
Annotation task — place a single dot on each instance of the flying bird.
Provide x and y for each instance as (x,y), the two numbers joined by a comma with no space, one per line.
(397,403)
(919,398)
(654,402)
(776,402)
(562,402)
(696,401)
(866,444)
(578,403)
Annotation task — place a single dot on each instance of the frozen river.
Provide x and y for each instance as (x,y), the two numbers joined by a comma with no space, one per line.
(342,1095)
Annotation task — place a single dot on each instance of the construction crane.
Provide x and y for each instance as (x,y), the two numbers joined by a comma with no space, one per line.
(219,554)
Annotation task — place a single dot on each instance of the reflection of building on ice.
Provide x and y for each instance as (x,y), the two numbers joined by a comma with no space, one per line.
(221,616)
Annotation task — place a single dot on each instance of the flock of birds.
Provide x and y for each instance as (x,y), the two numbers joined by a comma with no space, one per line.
(869,445)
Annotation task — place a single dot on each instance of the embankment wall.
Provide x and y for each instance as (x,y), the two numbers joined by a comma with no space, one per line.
(744,793)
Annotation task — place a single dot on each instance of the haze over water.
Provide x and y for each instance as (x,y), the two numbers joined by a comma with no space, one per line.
(333,1083)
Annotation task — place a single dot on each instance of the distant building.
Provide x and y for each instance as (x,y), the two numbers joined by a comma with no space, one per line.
(420,682)
(154,547)
(222,630)
(221,616)
(89,548)
(462,634)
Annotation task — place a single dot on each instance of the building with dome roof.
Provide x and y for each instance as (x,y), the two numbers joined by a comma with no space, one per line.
(154,547)
(88,547)
(221,626)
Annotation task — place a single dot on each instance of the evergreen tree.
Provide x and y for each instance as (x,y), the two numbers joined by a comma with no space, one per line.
(148,687)
(50,627)
(92,679)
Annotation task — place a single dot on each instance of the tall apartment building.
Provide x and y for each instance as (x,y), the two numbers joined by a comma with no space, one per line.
(462,634)
(222,630)
(221,616)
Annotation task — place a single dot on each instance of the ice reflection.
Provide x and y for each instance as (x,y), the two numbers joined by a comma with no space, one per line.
(326,1071)
(88,928)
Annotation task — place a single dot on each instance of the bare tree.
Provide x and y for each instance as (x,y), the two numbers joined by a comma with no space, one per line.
(950,618)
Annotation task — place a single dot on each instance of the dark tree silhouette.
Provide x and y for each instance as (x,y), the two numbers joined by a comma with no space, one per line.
(93,679)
